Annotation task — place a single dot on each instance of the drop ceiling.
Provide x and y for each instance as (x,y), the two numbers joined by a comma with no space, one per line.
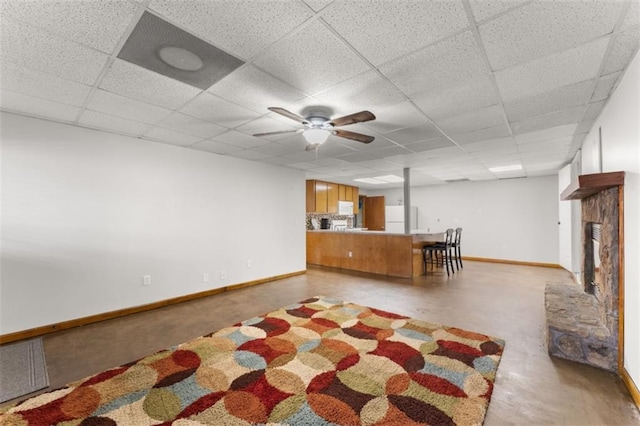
(458,86)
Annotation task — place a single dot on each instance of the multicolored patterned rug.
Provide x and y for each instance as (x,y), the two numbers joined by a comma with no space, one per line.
(318,362)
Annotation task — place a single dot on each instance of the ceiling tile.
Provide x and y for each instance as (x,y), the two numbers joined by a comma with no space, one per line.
(483,9)
(191,125)
(542,28)
(558,118)
(38,107)
(265,125)
(605,86)
(495,132)
(500,160)
(594,110)
(448,62)
(632,19)
(303,165)
(171,137)
(490,145)
(380,165)
(382,33)
(114,104)
(590,116)
(538,165)
(98,24)
(365,91)
(212,108)
(550,133)
(215,147)
(111,123)
(414,134)
(332,162)
(146,86)
(318,5)
(551,72)
(334,147)
(547,145)
(28,46)
(458,98)
(558,99)
(35,83)
(273,148)
(473,120)
(255,89)
(279,161)
(397,117)
(294,60)
(444,153)
(625,45)
(238,139)
(389,152)
(249,155)
(493,153)
(243,28)
(355,157)
(429,145)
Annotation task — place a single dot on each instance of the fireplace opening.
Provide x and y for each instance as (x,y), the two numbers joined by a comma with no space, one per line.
(593,275)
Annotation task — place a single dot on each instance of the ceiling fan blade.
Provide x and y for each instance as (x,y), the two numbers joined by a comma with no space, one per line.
(288,114)
(281,132)
(358,117)
(353,136)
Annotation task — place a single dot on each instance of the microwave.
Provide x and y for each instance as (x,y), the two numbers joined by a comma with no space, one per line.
(345,207)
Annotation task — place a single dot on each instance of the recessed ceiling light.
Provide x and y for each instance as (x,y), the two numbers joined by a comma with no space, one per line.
(180,58)
(372,181)
(379,180)
(511,168)
(390,178)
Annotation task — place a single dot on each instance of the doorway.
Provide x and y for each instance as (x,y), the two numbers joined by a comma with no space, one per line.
(373,215)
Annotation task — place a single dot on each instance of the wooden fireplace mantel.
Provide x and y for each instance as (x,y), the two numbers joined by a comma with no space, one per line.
(587,185)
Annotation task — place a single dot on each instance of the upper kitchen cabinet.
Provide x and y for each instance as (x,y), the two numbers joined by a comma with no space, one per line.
(323,197)
(332,197)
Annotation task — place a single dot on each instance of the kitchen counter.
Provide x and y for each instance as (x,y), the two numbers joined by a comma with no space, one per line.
(396,255)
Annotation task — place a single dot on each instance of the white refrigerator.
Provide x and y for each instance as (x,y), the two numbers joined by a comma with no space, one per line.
(394,219)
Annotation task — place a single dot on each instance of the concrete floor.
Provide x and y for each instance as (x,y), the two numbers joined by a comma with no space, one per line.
(505,301)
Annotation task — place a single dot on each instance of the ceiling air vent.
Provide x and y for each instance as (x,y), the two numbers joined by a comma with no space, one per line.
(164,48)
(457,180)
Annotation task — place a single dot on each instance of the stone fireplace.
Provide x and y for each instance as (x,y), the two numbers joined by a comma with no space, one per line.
(584,322)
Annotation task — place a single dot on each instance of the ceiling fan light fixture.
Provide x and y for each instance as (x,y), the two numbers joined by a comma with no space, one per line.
(316,136)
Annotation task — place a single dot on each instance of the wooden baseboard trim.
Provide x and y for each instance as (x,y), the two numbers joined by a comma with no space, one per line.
(52,328)
(512,262)
(631,386)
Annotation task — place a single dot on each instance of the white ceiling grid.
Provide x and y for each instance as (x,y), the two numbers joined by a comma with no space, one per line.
(457,86)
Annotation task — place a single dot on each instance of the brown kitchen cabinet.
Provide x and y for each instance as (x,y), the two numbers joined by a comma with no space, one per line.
(323,197)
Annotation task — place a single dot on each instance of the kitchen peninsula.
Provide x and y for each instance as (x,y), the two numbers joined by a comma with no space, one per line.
(396,255)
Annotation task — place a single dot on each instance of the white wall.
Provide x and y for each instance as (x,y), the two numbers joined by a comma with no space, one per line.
(86,214)
(514,219)
(620,124)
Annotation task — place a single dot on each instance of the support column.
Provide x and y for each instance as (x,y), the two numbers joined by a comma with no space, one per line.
(407,200)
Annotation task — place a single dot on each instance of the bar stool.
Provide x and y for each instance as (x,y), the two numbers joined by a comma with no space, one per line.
(433,251)
(456,248)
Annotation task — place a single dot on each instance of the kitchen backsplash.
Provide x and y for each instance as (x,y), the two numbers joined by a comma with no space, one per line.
(348,218)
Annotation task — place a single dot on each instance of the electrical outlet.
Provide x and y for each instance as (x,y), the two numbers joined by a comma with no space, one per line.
(350,254)
(223,275)
(146,280)
(249,263)
(205,277)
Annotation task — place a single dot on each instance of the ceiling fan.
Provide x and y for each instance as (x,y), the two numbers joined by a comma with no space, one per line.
(318,126)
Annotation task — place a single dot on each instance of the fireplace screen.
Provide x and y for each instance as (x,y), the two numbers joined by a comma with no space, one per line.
(594,277)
